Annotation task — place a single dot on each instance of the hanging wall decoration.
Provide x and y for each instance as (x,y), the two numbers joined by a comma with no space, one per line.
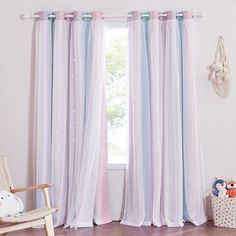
(219,71)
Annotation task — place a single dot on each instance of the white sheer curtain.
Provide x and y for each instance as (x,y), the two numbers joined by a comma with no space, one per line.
(164,179)
(70,117)
(42,102)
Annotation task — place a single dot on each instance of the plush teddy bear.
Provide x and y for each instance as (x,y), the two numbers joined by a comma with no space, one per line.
(10,204)
(217,66)
(218,72)
(219,188)
(231,188)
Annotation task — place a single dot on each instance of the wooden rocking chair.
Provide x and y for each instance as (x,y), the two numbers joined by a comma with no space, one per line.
(36,217)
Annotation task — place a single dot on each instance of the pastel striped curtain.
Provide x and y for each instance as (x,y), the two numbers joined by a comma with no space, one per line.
(164,179)
(70,117)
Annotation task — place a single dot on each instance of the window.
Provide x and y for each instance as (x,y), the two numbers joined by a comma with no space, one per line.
(117,93)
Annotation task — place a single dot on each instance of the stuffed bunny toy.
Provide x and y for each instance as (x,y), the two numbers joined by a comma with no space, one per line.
(219,71)
(10,204)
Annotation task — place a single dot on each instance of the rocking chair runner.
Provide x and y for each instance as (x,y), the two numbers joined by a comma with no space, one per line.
(42,216)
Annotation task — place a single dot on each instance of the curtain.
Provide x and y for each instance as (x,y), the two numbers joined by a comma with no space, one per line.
(164,179)
(70,117)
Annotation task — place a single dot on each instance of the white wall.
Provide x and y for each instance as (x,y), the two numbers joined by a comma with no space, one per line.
(217,116)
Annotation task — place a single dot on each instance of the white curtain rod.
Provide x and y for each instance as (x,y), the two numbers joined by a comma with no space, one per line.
(28,16)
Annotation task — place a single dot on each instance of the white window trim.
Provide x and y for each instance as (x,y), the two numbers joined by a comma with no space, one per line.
(117,166)
(115,24)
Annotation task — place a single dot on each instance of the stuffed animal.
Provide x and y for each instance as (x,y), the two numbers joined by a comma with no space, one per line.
(10,204)
(231,188)
(219,188)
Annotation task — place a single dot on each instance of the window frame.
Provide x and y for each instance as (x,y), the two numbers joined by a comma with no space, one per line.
(112,24)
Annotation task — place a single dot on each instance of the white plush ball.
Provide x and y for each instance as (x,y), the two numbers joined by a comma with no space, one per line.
(10,204)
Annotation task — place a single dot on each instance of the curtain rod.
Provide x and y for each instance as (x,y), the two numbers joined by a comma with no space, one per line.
(35,16)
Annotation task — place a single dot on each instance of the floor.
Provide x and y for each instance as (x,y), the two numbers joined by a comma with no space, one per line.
(116,229)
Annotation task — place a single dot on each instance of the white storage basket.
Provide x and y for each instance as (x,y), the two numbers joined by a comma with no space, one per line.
(224,211)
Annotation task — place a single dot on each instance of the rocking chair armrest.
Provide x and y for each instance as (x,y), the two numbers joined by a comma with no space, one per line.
(43,187)
(29,188)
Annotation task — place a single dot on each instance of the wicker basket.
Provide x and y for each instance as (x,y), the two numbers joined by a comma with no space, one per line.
(224,211)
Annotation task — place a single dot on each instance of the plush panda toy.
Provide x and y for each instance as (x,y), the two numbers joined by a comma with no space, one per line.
(10,204)
(219,188)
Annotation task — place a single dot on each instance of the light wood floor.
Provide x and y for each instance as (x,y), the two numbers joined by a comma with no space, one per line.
(116,229)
